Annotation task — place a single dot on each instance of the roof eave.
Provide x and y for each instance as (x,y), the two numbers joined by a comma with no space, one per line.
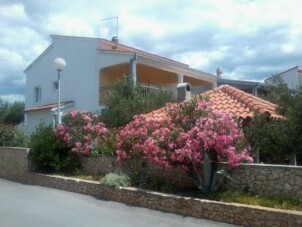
(37,59)
(207,75)
(50,106)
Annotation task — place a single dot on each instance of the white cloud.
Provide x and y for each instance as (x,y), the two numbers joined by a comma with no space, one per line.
(13,13)
(195,59)
(12,98)
(248,39)
(67,25)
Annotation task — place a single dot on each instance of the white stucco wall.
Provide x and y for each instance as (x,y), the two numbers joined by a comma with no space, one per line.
(78,79)
(291,78)
(34,118)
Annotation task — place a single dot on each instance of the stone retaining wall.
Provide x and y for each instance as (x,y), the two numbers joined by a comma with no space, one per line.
(13,163)
(268,180)
(262,179)
(14,166)
(232,213)
(103,165)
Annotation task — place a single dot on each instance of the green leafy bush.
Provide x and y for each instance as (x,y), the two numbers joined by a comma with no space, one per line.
(127,100)
(10,136)
(48,154)
(270,138)
(107,146)
(279,141)
(116,179)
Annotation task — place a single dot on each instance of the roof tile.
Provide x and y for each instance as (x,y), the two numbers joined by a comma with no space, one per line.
(48,106)
(110,46)
(233,101)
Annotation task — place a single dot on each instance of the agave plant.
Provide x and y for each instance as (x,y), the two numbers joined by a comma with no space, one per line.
(211,178)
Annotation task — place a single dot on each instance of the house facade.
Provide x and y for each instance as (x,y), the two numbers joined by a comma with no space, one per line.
(93,66)
(291,77)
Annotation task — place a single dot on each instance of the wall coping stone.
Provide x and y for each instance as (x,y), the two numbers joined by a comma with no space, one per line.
(271,165)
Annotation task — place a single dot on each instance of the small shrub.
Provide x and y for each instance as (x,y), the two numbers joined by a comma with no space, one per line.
(138,179)
(48,154)
(10,136)
(116,179)
(159,183)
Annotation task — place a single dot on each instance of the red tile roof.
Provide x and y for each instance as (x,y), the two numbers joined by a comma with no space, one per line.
(48,106)
(110,46)
(238,103)
(233,101)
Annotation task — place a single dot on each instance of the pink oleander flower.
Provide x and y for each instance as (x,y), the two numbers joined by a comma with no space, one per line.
(79,130)
(191,129)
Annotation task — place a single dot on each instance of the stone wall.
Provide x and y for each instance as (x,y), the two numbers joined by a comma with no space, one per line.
(262,179)
(268,180)
(13,163)
(238,214)
(103,165)
(14,166)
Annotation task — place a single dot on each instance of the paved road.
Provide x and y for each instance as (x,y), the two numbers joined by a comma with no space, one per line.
(25,205)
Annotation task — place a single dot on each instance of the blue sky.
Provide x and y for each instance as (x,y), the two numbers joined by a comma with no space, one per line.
(249,40)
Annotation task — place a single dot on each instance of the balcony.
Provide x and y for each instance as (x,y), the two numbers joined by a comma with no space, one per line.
(145,90)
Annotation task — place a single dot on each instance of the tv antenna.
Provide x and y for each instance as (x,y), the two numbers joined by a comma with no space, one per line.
(110,18)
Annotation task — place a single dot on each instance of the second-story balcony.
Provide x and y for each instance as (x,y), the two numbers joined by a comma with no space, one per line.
(145,89)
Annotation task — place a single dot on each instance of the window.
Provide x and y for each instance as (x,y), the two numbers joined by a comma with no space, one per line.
(55,85)
(37,94)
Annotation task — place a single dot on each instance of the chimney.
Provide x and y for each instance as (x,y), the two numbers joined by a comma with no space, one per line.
(219,72)
(183,92)
(115,41)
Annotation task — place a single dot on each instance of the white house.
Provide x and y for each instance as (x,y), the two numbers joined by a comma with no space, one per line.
(93,66)
(291,77)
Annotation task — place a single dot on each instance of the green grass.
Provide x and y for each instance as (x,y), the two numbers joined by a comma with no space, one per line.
(80,175)
(288,203)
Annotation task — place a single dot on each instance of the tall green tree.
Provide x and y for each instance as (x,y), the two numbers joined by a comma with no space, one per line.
(279,141)
(11,113)
(126,100)
(268,139)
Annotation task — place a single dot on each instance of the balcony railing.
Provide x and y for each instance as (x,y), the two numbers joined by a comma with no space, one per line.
(145,90)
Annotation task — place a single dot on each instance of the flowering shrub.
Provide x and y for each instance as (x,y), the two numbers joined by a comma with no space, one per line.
(191,128)
(81,131)
(131,139)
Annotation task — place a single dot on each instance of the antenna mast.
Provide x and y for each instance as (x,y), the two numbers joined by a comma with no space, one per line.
(110,18)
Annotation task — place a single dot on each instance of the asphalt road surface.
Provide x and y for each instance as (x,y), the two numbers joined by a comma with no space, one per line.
(35,206)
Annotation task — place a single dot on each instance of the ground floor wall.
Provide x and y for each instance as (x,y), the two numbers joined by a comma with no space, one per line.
(32,119)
